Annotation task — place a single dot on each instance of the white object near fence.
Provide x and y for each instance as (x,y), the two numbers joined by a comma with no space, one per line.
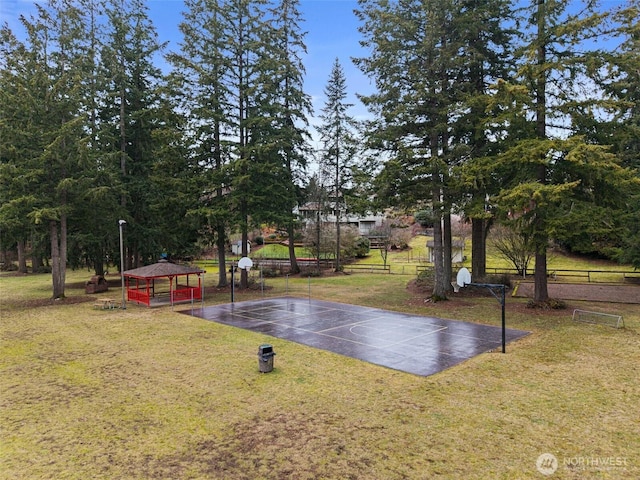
(598,318)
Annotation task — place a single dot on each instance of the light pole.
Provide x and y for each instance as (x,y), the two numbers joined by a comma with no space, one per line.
(121,223)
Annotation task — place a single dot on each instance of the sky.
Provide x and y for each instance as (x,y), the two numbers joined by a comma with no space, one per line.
(331,28)
(332,32)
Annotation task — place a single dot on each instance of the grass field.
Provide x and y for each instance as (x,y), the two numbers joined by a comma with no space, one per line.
(151,393)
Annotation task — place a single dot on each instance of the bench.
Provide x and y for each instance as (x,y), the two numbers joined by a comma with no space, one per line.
(104,304)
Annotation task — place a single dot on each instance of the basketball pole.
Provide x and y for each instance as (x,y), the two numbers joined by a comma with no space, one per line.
(502,302)
(464,278)
(504,322)
(233,279)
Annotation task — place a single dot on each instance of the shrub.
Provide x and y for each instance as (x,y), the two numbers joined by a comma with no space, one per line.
(8,267)
(271,272)
(362,247)
(310,272)
(425,277)
(551,304)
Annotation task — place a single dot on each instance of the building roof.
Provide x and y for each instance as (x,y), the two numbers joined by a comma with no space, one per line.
(162,269)
(454,243)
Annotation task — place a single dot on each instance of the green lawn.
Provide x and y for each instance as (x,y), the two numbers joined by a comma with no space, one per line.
(146,393)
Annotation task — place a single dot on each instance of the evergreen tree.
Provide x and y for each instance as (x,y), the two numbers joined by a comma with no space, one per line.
(200,77)
(419,92)
(92,236)
(249,60)
(49,70)
(613,118)
(625,88)
(18,154)
(554,175)
(129,115)
(339,146)
(486,56)
(290,107)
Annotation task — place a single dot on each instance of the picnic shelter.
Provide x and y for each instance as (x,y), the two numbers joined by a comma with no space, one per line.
(162,281)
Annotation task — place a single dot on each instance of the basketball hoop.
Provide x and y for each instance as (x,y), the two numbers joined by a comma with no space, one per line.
(463,279)
(245,263)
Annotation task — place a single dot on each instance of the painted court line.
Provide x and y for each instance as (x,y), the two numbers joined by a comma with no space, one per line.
(416,337)
(407,342)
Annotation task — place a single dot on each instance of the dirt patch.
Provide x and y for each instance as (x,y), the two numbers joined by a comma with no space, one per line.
(590,292)
(45,302)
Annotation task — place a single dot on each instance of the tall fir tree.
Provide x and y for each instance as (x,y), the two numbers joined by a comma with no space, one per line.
(18,152)
(339,146)
(248,63)
(613,118)
(554,174)
(128,117)
(486,44)
(201,70)
(291,107)
(418,79)
(51,68)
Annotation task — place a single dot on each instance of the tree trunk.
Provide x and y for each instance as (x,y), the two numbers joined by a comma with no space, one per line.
(439,288)
(338,267)
(57,274)
(222,266)
(36,262)
(98,265)
(292,249)
(318,239)
(440,284)
(244,275)
(447,251)
(479,230)
(22,259)
(540,293)
(63,250)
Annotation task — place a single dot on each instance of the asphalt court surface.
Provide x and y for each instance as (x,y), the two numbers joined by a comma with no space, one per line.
(410,343)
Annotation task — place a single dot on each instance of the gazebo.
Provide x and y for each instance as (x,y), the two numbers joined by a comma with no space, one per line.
(141,283)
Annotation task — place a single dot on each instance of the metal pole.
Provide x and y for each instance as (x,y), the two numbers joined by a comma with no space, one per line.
(233,279)
(501,300)
(504,326)
(120,224)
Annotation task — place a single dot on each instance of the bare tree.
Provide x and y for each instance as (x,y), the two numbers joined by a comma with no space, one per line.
(514,246)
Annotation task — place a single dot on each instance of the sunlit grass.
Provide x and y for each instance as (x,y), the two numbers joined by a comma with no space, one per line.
(276,250)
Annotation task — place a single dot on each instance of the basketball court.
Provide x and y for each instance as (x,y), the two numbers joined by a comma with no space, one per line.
(410,343)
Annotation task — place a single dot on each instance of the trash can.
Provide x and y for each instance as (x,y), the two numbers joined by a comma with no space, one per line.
(265,358)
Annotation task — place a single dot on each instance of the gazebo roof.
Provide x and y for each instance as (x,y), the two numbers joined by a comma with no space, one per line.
(162,269)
